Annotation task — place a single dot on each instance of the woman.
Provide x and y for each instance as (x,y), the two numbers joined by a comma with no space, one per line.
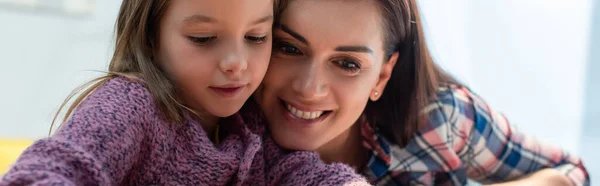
(354,81)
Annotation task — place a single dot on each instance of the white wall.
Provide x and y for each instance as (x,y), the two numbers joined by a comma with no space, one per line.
(590,139)
(527,58)
(45,56)
(445,24)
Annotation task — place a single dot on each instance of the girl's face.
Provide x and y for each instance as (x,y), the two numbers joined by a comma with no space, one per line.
(216,52)
(328,60)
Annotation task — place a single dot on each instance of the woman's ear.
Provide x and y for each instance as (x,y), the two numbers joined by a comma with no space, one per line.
(385,75)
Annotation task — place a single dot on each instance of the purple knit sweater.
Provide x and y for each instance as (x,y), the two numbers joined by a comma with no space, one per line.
(117,137)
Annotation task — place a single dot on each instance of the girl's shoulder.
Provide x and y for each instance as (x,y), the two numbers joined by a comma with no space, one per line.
(122,91)
(119,97)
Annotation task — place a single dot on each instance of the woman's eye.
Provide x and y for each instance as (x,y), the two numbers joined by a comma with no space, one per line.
(257,40)
(202,40)
(348,65)
(287,49)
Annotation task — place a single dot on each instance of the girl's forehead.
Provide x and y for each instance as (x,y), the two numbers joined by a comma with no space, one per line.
(241,12)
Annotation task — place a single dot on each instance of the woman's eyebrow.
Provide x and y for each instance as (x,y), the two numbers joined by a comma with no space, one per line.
(354,49)
(292,33)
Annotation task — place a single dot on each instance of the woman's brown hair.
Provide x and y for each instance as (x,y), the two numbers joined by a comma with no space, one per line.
(137,34)
(415,77)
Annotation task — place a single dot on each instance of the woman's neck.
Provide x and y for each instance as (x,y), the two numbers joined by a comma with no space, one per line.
(346,148)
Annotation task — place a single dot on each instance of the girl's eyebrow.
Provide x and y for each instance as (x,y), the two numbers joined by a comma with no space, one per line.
(263,20)
(197,18)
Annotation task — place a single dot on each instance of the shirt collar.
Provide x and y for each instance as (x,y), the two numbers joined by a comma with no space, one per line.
(379,162)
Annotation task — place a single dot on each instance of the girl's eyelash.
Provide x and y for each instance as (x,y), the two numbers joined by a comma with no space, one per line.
(208,40)
(255,39)
(202,40)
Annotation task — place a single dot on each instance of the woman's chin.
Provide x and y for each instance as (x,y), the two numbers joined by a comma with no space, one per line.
(294,143)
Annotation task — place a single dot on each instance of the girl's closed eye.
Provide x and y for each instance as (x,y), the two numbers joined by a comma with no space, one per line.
(202,40)
(256,39)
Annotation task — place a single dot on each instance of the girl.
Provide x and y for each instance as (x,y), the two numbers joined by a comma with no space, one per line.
(354,81)
(180,70)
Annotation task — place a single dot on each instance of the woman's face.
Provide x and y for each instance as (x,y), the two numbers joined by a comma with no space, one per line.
(327,62)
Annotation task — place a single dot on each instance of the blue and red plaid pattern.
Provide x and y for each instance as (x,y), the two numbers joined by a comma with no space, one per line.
(465,142)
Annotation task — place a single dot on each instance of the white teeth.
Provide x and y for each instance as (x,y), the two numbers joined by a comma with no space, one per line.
(297,112)
(306,115)
(302,114)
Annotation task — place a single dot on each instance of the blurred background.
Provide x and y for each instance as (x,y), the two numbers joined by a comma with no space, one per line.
(537,61)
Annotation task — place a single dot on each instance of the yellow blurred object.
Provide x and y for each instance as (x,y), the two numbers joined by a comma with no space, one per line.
(10,149)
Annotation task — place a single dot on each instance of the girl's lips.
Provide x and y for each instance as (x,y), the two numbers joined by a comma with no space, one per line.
(228,92)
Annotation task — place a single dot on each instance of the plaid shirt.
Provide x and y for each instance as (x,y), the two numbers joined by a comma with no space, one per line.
(464,143)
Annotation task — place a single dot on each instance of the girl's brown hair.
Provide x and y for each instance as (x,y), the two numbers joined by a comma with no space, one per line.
(415,77)
(137,34)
